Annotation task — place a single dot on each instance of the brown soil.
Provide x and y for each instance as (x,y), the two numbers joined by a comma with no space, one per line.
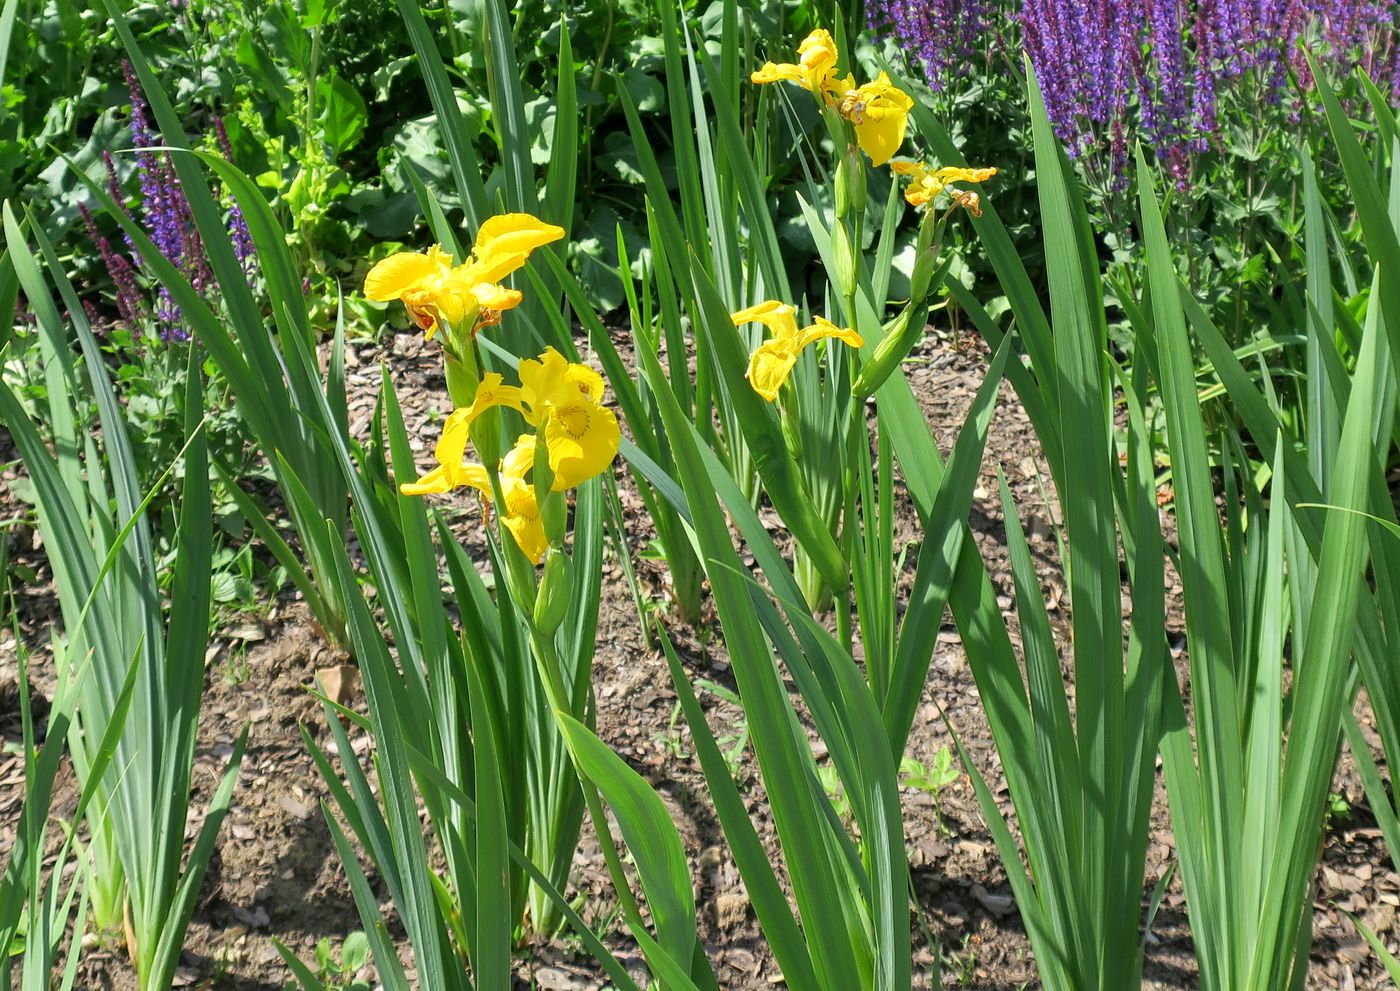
(276,875)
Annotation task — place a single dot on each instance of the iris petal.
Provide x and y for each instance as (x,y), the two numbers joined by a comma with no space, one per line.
(769,367)
(395,275)
(504,242)
(824,328)
(780,318)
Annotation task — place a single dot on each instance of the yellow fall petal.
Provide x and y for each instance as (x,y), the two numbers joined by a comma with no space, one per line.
(434,482)
(445,478)
(769,366)
(452,446)
(399,273)
(779,72)
(880,112)
(581,439)
(824,328)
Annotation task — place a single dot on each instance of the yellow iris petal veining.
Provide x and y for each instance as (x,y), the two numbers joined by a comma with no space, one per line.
(880,112)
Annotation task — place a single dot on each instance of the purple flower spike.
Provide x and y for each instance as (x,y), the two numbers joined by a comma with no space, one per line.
(160,190)
(129,301)
(947,36)
(237,225)
(1164,71)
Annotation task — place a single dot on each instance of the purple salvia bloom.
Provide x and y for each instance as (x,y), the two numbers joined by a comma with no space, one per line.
(944,35)
(169,323)
(129,301)
(160,191)
(1166,70)
(94,318)
(237,225)
(114,190)
(1203,121)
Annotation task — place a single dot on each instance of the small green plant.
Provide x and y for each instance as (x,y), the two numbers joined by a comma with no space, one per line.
(963,963)
(733,744)
(831,784)
(931,779)
(339,975)
(1338,808)
(671,738)
(234,669)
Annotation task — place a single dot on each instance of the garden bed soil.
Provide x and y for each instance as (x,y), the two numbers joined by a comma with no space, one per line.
(276,876)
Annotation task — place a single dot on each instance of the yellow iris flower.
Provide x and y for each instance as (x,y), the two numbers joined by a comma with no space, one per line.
(772,361)
(581,436)
(815,70)
(560,399)
(435,292)
(925,183)
(880,112)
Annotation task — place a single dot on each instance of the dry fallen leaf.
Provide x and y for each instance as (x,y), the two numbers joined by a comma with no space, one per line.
(339,683)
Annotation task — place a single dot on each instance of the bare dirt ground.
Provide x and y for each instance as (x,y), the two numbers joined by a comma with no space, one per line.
(276,875)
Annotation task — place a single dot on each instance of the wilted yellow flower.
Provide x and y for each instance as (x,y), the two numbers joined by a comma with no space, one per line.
(772,361)
(435,291)
(815,70)
(581,436)
(925,184)
(880,112)
(422,281)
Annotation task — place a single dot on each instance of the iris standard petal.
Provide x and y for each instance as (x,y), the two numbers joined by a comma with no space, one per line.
(491,296)
(505,241)
(541,378)
(780,318)
(520,459)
